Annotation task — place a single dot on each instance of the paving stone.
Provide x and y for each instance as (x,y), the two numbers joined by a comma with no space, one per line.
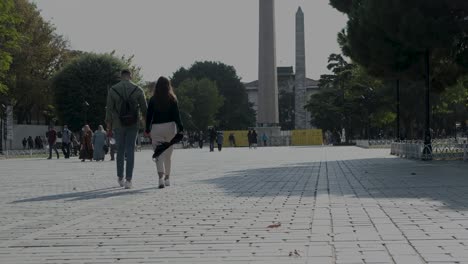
(335,205)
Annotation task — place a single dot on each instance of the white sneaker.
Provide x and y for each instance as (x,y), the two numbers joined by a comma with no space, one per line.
(167,183)
(161,183)
(121,182)
(128,185)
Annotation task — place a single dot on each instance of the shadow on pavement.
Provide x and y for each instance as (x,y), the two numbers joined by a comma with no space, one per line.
(446,182)
(87,195)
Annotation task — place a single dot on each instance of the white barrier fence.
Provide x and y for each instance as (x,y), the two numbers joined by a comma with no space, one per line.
(379,143)
(442,149)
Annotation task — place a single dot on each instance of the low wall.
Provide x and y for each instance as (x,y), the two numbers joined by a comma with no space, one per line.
(24,131)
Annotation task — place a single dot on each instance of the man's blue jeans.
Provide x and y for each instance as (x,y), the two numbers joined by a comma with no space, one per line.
(125,138)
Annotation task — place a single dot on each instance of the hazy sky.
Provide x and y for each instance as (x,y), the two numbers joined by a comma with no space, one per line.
(167,34)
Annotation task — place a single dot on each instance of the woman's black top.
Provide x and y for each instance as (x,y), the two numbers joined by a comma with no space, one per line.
(155,115)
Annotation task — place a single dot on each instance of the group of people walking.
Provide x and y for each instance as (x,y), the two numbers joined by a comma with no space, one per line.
(92,146)
(126,104)
(30,143)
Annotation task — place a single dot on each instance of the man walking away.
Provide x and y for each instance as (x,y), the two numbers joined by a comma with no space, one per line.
(24,143)
(212,136)
(30,142)
(200,139)
(220,139)
(125,101)
(52,139)
(66,141)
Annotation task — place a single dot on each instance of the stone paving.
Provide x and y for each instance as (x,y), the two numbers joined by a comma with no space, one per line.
(270,205)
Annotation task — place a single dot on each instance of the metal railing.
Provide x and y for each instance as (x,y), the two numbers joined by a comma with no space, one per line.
(377,143)
(442,149)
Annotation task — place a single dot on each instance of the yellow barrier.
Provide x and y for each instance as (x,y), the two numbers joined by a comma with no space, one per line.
(309,137)
(239,135)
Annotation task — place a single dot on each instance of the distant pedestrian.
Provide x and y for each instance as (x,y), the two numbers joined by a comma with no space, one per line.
(30,143)
(66,141)
(163,122)
(254,139)
(125,102)
(24,143)
(212,137)
(264,139)
(220,139)
(232,140)
(112,146)
(249,138)
(75,145)
(36,142)
(99,143)
(200,140)
(86,151)
(52,140)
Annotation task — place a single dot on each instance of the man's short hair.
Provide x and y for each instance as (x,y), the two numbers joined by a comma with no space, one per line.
(126,72)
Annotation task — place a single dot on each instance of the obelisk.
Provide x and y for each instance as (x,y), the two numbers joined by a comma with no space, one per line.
(302,120)
(267,115)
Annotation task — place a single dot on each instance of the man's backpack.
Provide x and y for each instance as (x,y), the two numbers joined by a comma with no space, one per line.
(128,113)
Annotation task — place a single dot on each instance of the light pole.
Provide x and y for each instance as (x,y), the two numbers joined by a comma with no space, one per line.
(427,152)
(86,105)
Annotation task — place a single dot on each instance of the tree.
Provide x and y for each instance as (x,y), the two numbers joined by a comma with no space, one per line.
(8,39)
(199,102)
(40,54)
(237,111)
(352,99)
(80,89)
(408,40)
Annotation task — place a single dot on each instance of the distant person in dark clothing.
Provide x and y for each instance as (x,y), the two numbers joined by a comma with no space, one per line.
(200,140)
(52,140)
(249,138)
(87,149)
(212,136)
(254,139)
(232,140)
(37,144)
(30,142)
(24,143)
(220,139)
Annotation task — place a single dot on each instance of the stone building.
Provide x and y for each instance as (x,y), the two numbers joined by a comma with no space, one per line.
(286,85)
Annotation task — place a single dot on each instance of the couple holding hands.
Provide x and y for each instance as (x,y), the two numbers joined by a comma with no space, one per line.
(125,102)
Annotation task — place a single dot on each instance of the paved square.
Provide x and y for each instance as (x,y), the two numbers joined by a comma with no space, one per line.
(270,205)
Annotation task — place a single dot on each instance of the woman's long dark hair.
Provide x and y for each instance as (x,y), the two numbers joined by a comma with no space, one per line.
(164,94)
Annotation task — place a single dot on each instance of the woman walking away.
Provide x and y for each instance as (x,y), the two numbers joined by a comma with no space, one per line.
(163,122)
(99,143)
(86,151)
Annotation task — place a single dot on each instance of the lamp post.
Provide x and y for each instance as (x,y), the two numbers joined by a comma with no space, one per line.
(2,127)
(86,105)
(427,152)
